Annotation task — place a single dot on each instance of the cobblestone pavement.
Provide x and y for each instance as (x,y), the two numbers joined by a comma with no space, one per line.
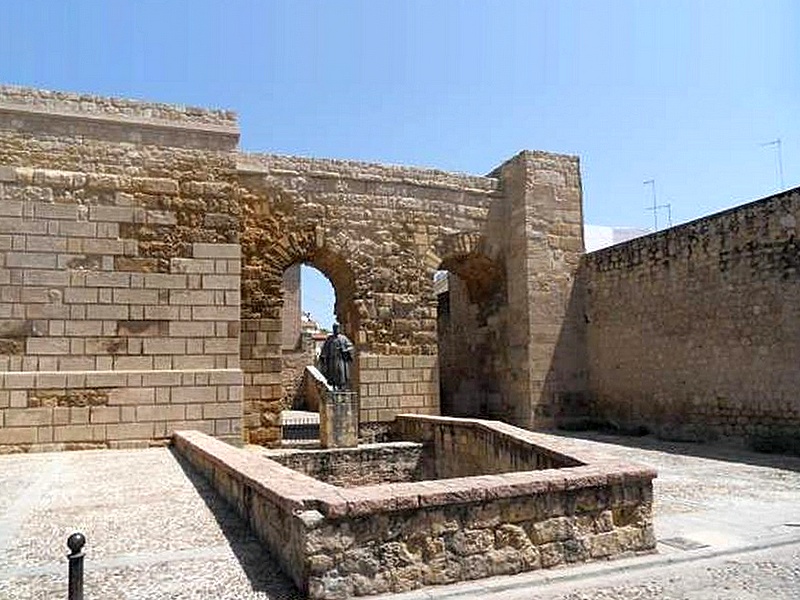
(728,525)
(153,532)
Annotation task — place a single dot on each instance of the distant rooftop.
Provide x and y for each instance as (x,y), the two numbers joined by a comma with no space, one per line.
(596,237)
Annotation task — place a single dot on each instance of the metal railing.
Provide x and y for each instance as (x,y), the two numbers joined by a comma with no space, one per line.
(300,428)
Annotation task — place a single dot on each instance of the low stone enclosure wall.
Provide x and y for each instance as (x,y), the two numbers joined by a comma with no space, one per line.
(336,542)
(369,464)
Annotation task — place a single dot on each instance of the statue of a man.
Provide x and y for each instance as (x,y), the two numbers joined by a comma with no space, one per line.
(336,359)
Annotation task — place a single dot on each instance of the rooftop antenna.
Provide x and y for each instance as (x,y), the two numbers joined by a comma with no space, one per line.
(652,184)
(778,150)
(656,205)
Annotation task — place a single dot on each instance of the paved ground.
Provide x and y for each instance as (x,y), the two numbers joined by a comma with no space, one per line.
(153,532)
(728,524)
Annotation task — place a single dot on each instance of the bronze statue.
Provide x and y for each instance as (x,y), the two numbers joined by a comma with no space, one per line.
(336,359)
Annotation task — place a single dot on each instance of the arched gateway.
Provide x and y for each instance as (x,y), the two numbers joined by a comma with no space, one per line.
(510,241)
(142,264)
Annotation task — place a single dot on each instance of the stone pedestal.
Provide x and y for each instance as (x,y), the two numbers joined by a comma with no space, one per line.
(338,419)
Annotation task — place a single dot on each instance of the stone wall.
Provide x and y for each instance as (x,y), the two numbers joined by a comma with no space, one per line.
(119,272)
(470,447)
(262,364)
(291,309)
(468,359)
(76,410)
(66,115)
(369,464)
(427,448)
(312,389)
(341,542)
(694,332)
(543,330)
(373,231)
(134,237)
(295,363)
(379,233)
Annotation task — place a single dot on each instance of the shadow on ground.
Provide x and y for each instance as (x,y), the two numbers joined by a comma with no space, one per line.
(711,450)
(260,567)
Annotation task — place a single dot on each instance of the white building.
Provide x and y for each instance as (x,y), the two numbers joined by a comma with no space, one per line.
(596,237)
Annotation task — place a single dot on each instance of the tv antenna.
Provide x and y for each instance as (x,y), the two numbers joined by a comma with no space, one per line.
(656,206)
(776,143)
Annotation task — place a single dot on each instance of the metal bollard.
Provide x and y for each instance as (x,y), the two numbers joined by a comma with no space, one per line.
(75,542)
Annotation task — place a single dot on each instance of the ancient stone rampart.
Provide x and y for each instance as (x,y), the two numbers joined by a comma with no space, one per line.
(379,233)
(119,272)
(135,239)
(694,332)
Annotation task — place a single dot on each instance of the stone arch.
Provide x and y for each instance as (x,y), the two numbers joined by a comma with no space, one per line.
(275,236)
(273,239)
(475,261)
(454,244)
(471,319)
(393,227)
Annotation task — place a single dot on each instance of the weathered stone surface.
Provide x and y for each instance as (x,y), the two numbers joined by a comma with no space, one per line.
(70,398)
(379,234)
(89,303)
(362,541)
(693,332)
(353,467)
(338,419)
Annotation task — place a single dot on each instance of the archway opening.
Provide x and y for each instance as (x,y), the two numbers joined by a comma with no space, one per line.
(318,299)
(311,305)
(471,297)
(307,317)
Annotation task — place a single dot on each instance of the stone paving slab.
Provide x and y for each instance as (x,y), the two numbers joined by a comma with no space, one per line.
(156,531)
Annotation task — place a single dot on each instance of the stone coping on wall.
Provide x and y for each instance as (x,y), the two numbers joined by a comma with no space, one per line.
(117,119)
(297,491)
(348,169)
(48,100)
(563,452)
(619,253)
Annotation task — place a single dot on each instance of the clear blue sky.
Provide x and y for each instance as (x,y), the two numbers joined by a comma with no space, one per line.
(682,92)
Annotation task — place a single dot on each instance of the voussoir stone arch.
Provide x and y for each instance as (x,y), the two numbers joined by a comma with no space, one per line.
(160,202)
(379,233)
(471,257)
(280,231)
(452,245)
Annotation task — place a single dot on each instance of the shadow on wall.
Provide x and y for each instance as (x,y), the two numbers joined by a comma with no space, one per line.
(565,395)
